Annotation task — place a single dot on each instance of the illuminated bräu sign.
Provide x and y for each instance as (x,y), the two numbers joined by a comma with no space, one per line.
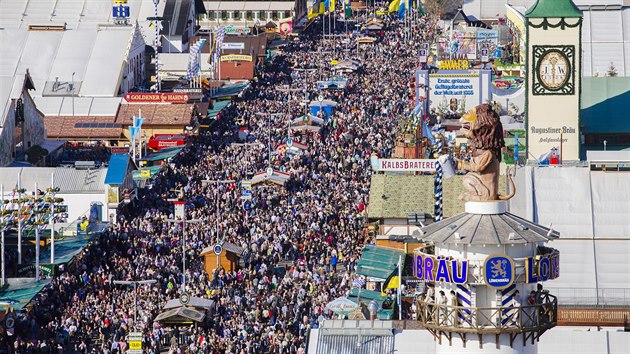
(441,269)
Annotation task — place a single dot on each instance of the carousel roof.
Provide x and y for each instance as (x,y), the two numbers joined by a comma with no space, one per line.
(491,229)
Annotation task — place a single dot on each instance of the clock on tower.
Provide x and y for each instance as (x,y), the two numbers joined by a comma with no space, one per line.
(553,78)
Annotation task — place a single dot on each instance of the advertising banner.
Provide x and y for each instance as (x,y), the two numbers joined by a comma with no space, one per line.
(233,45)
(156,97)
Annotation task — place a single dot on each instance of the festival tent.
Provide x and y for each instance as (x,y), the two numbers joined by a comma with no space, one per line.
(341,306)
(306,128)
(307,119)
(326,105)
(365,39)
(276,177)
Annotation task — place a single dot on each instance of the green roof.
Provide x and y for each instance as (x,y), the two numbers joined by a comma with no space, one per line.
(216,108)
(553,8)
(19,293)
(367,295)
(378,262)
(164,154)
(605,104)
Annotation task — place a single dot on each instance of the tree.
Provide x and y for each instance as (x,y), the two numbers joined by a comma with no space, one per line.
(612,70)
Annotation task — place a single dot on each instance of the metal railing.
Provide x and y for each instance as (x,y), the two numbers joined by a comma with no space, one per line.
(592,297)
(537,317)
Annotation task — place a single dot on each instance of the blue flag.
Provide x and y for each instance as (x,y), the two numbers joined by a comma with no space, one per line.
(427,132)
(402,9)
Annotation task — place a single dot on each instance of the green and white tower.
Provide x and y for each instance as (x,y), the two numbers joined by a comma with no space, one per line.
(554,66)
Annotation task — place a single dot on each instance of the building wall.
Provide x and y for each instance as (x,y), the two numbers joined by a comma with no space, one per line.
(34,132)
(79,204)
(134,66)
(237,70)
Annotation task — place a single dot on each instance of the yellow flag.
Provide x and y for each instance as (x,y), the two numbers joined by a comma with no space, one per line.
(394,5)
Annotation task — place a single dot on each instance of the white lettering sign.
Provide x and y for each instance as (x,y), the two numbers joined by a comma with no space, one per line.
(233,45)
(406,165)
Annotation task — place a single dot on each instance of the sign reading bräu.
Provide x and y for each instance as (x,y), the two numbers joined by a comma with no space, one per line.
(441,269)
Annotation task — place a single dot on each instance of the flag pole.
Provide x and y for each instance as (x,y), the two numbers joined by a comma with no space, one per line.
(399,287)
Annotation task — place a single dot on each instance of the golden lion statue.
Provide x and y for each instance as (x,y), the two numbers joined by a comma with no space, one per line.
(484,131)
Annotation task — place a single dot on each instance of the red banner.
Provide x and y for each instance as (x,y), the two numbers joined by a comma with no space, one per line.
(141,97)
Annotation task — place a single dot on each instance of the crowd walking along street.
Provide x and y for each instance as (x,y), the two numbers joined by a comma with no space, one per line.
(301,241)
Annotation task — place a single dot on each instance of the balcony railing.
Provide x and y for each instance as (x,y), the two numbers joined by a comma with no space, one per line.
(539,317)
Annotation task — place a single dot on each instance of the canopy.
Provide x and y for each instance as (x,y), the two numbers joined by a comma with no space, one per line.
(307,119)
(324,103)
(216,108)
(311,128)
(19,293)
(378,262)
(197,302)
(229,90)
(277,177)
(341,305)
(163,154)
(181,315)
(366,40)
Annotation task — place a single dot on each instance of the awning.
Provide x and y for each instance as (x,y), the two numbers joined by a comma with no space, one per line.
(229,90)
(307,119)
(19,293)
(153,170)
(117,169)
(182,315)
(163,154)
(197,302)
(217,107)
(52,145)
(378,262)
(324,103)
(277,177)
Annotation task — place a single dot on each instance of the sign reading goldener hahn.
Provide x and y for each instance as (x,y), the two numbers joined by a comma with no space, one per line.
(156,97)
(135,343)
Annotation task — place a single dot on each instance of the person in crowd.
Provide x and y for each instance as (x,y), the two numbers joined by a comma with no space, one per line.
(301,240)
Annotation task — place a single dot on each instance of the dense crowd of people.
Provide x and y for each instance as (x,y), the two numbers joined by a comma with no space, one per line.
(301,241)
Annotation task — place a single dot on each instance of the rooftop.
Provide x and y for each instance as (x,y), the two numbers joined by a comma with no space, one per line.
(553,8)
(69,180)
(156,114)
(491,229)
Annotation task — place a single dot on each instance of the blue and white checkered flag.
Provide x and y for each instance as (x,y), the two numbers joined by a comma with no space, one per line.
(358,282)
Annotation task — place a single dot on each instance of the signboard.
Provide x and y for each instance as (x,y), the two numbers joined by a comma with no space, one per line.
(194,93)
(403,165)
(135,342)
(218,249)
(498,271)
(113,195)
(542,267)
(184,299)
(236,57)
(237,30)
(289,142)
(120,11)
(423,55)
(247,205)
(440,269)
(145,174)
(44,268)
(454,92)
(269,171)
(119,149)
(179,210)
(461,64)
(485,55)
(141,97)
(233,45)
(334,62)
(246,194)
(246,184)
